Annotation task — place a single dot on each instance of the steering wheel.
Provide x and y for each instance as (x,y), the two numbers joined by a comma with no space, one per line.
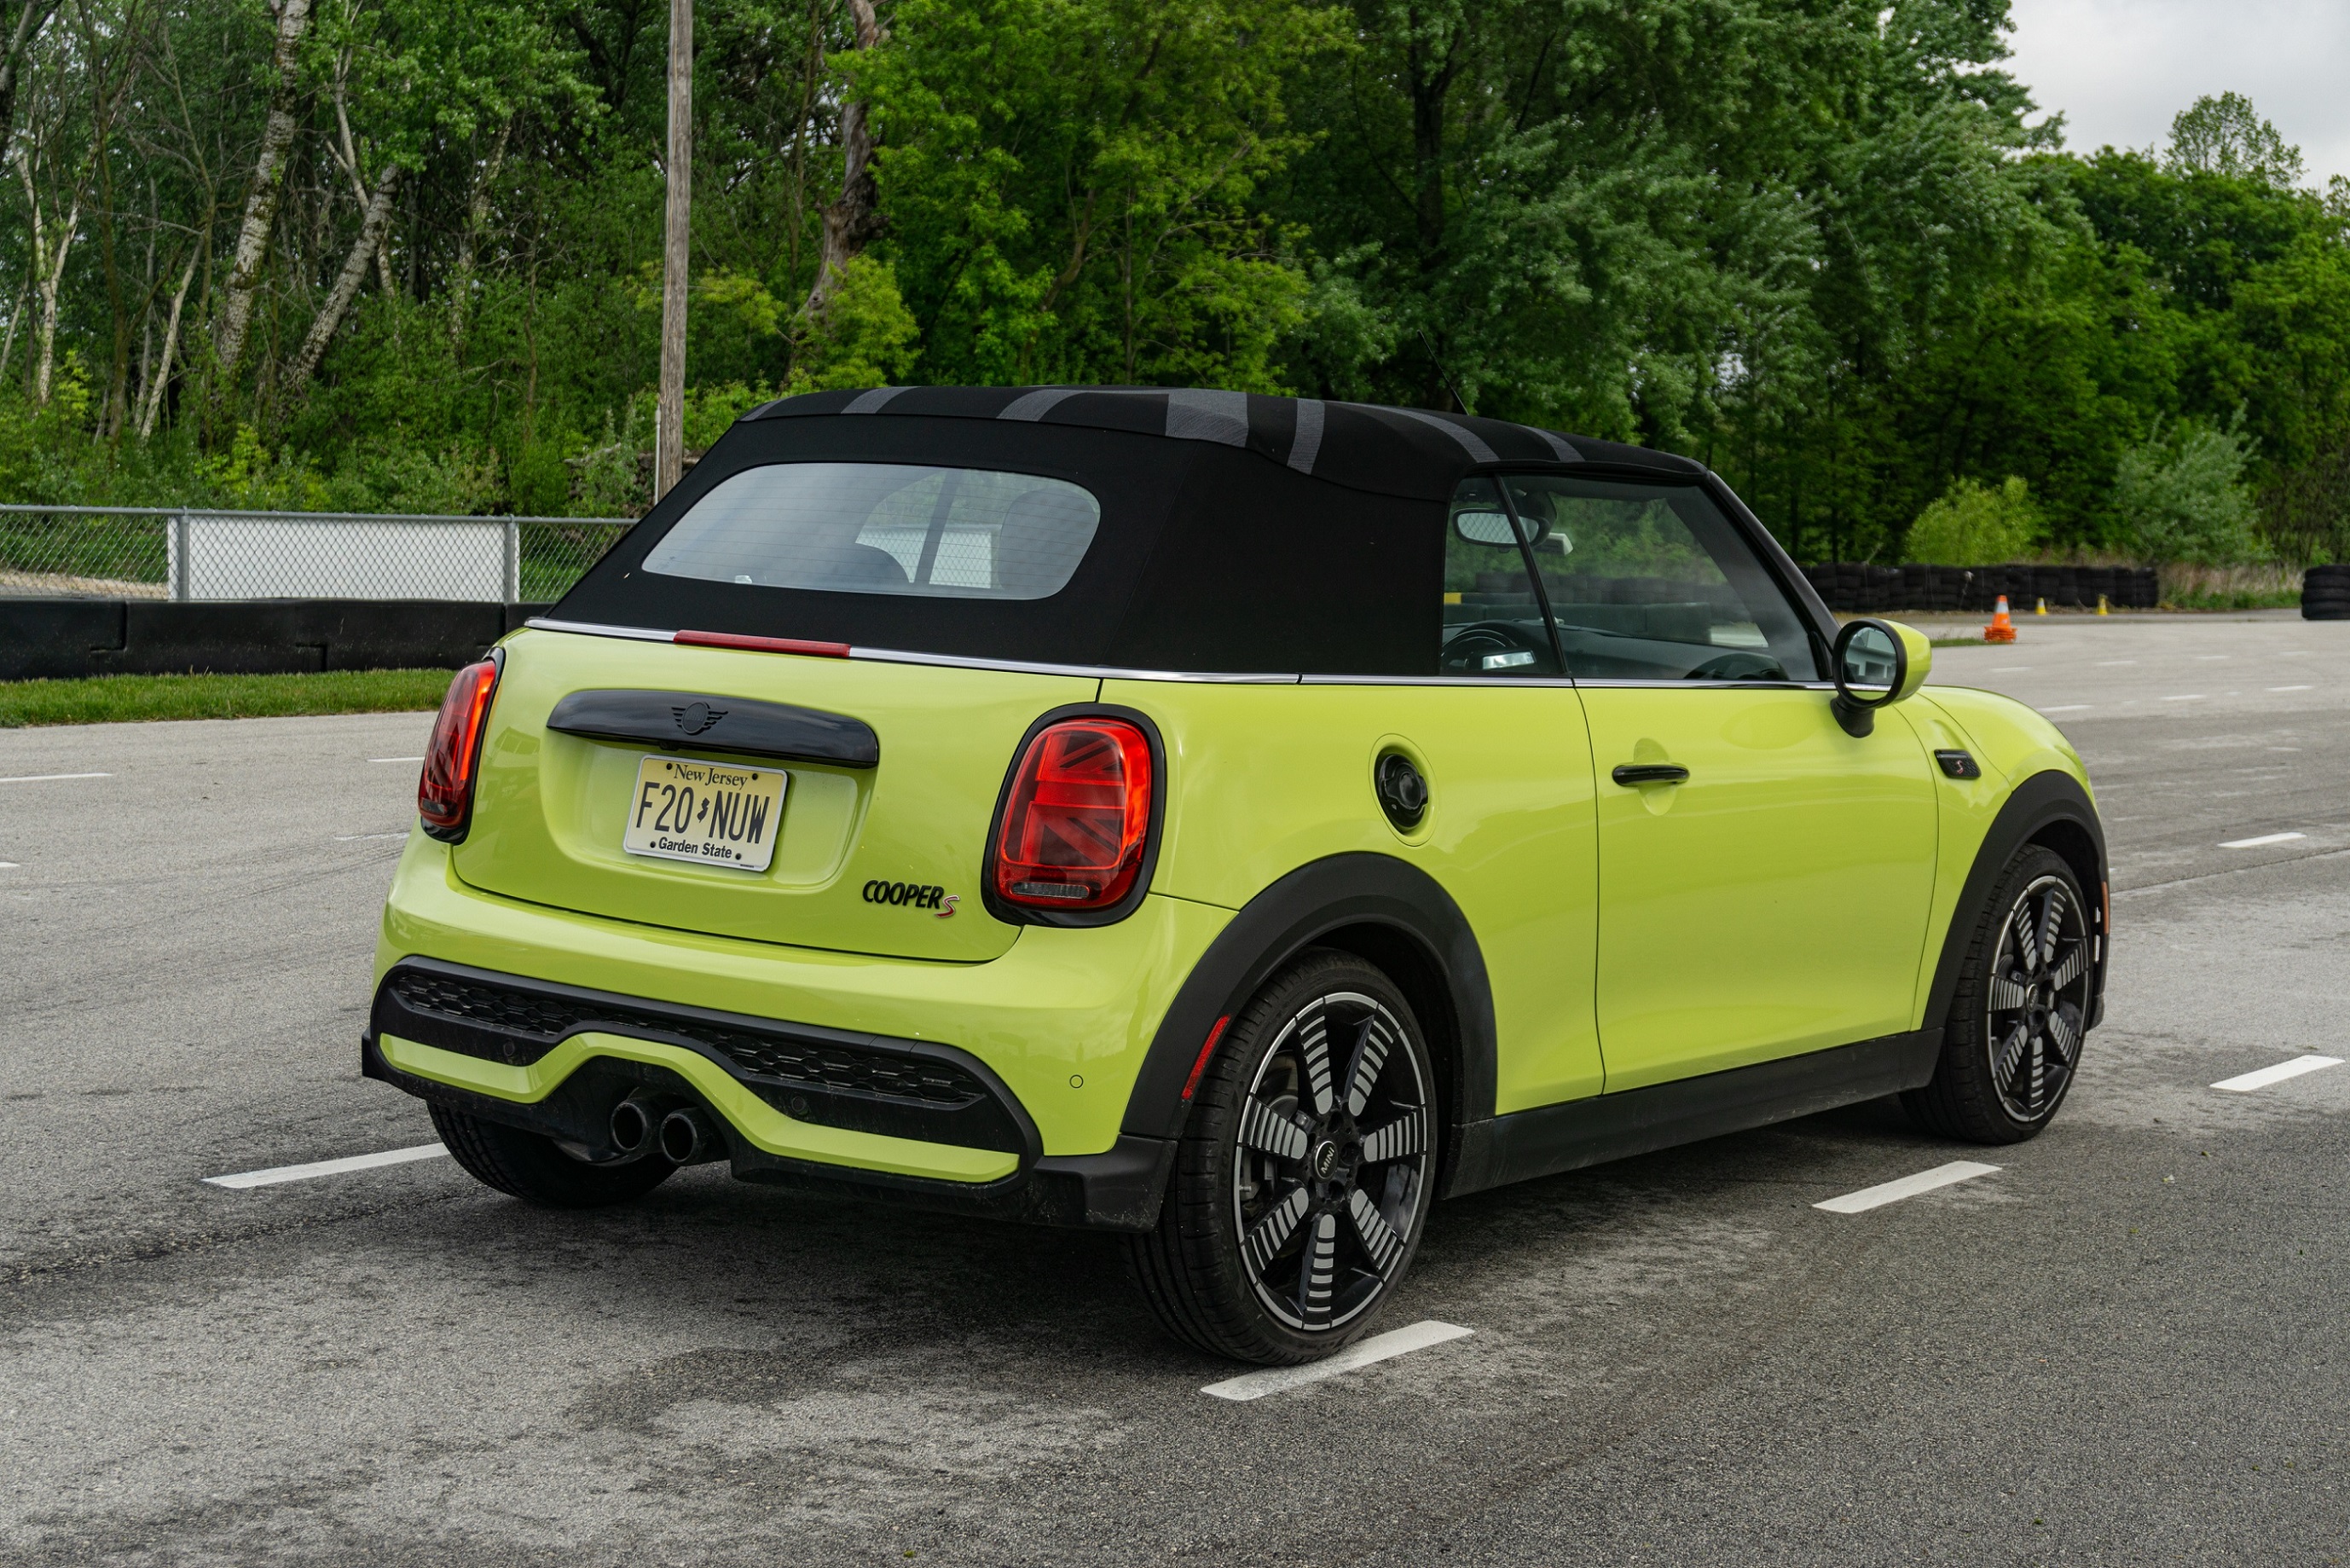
(1739,666)
(1467,649)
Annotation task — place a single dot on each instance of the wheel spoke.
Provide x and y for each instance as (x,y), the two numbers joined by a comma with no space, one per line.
(2027,943)
(1370,1055)
(1408,1134)
(2052,910)
(1321,1269)
(1379,1238)
(2067,1038)
(2039,1068)
(2011,1051)
(1314,1045)
(2068,971)
(1270,1234)
(2005,994)
(1269,1131)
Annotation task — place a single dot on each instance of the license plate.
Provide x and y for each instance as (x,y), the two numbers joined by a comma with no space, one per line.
(713,814)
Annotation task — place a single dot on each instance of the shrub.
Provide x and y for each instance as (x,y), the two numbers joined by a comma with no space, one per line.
(1975,525)
(2184,500)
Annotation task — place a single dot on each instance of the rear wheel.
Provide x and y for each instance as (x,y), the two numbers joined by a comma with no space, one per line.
(2020,1014)
(1305,1174)
(538,1170)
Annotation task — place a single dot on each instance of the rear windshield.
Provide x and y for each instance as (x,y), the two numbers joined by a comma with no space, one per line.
(883,528)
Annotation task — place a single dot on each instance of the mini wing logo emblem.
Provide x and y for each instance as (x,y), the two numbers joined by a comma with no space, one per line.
(696,717)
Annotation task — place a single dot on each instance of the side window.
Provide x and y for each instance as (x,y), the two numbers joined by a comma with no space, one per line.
(1492,621)
(1651,582)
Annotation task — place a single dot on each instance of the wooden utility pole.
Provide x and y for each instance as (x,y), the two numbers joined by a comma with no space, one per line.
(669,434)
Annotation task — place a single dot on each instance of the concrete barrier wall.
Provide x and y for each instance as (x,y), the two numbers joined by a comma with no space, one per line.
(65,638)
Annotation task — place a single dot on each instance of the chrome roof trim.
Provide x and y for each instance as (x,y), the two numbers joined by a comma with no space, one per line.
(594,629)
(1560,681)
(1089,671)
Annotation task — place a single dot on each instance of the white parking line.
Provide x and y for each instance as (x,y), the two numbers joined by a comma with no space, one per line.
(2190,697)
(2109,663)
(2009,669)
(395,758)
(2244,1083)
(52,778)
(1379,1347)
(362,837)
(2068,708)
(2293,687)
(1885,1192)
(276,1174)
(11,866)
(2264,838)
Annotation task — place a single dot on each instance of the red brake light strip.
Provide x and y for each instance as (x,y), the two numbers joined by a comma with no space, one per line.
(799,645)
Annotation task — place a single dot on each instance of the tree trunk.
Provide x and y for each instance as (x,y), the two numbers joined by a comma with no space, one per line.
(668,426)
(48,276)
(29,23)
(161,378)
(854,221)
(262,196)
(477,223)
(347,284)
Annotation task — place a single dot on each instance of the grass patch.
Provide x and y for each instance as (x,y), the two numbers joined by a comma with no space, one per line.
(123,699)
(2234,599)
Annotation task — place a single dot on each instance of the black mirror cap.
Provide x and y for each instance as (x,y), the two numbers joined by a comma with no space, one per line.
(1856,712)
(1402,791)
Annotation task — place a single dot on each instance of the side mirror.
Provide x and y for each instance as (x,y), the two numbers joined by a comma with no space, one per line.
(1876,664)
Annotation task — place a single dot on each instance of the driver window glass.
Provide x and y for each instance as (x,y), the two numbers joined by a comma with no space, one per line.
(1492,621)
(1651,582)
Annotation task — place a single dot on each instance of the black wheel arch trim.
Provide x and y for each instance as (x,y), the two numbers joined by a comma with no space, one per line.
(1311,904)
(2043,801)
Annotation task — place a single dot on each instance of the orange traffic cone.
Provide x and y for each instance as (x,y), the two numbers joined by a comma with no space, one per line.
(2000,628)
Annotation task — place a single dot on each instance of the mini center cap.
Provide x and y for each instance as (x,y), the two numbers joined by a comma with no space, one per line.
(1326,1158)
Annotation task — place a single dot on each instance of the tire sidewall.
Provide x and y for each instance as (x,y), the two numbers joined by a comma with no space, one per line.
(2023,873)
(1212,1137)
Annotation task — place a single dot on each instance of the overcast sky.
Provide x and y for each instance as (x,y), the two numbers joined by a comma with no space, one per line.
(2120,69)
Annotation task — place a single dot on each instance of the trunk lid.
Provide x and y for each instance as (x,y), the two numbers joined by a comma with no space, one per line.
(551,805)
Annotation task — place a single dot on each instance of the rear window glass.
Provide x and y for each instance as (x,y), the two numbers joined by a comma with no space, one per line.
(885,528)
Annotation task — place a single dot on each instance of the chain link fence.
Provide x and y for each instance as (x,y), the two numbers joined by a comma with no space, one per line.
(147,553)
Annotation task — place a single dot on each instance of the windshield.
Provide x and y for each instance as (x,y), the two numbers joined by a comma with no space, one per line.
(883,528)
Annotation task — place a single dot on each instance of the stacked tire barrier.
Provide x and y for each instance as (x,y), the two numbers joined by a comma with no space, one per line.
(2325,593)
(1857,586)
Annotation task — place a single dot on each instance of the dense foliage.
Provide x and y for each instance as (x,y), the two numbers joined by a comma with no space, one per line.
(404,254)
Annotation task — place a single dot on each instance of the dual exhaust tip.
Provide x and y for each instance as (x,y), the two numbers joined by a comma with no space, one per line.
(683,1135)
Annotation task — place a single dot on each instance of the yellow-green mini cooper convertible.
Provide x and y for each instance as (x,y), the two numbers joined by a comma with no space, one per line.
(1233,821)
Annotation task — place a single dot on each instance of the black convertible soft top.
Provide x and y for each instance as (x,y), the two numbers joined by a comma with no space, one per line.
(1239,534)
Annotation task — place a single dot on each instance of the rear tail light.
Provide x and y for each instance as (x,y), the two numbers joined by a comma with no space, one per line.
(1078,821)
(444,795)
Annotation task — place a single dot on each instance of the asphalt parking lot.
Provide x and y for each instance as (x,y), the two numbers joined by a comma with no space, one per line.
(2126,1344)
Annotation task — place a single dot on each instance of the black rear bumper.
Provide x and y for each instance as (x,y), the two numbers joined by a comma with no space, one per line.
(863,1083)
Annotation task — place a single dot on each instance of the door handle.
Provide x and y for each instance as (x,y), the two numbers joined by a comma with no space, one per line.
(1650,773)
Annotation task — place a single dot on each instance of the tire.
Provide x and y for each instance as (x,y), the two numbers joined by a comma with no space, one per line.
(1293,1210)
(2020,1016)
(535,1168)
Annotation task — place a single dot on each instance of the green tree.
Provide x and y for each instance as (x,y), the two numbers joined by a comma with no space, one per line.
(1974,525)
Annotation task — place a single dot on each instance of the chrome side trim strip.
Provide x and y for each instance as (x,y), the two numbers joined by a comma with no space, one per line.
(1089,671)
(594,629)
(1687,685)
(1436,681)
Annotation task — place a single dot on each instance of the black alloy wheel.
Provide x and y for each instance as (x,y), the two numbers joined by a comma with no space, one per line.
(1305,1172)
(2017,1024)
(2039,999)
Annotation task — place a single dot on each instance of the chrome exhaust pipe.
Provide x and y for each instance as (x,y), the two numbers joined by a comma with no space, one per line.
(688,1137)
(634,1127)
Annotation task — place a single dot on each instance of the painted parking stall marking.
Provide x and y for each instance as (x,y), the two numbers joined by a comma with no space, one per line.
(395,758)
(2265,838)
(2245,1083)
(52,778)
(278,1173)
(1363,1353)
(1887,1192)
